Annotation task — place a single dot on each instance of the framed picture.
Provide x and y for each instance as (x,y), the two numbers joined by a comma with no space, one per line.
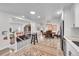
(4,33)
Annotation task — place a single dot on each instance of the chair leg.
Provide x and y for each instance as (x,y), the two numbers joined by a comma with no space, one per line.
(31,41)
(34,40)
(37,40)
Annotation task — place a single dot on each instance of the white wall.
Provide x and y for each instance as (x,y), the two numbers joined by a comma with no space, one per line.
(33,27)
(17,25)
(4,26)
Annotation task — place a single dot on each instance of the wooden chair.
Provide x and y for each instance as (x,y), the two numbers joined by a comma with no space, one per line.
(34,38)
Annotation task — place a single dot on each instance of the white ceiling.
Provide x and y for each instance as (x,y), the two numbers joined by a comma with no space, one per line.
(44,10)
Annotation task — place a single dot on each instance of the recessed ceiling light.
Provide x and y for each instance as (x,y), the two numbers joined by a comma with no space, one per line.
(23,16)
(59,12)
(19,18)
(32,12)
(38,16)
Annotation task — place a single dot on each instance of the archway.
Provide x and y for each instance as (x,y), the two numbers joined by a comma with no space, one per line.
(27,29)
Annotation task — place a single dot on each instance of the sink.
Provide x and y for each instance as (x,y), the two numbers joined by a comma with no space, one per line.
(76,42)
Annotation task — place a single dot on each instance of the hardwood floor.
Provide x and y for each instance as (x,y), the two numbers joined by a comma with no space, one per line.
(46,47)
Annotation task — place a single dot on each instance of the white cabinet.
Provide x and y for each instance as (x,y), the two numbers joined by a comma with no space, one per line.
(70,50)
(76,15)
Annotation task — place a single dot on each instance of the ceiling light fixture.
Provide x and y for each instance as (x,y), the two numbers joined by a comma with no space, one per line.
(32,12)
(59,12)
(38,16)
(19,18)
(23,16)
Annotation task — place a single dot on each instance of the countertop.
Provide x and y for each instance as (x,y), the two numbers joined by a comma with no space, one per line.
(70,39)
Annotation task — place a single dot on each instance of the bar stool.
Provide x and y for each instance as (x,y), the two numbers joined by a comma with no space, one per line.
(34,38)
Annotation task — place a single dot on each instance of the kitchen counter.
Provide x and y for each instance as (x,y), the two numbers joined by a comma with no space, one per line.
(70,40)
(73,38)
(77,43)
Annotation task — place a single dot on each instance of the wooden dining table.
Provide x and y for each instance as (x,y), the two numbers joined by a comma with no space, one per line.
(49,34)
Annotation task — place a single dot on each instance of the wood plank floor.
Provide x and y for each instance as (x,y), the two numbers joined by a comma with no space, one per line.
(46,47)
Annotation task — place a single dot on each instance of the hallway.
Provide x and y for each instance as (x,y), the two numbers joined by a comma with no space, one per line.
(24,24)
(46,47)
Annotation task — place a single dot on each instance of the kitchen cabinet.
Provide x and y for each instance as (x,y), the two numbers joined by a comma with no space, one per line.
(70,50)
(76,8)
(76,15)
(71,15)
